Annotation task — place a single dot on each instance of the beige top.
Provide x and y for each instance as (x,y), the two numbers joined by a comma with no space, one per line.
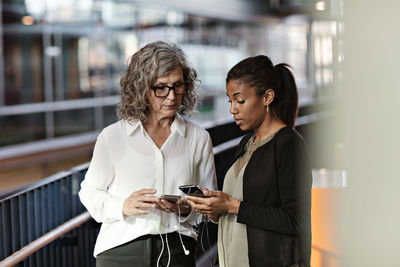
(232,236)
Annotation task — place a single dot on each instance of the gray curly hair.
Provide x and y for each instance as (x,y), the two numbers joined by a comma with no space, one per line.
(154,60)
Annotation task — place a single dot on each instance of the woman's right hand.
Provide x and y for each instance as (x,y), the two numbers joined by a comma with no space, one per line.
(217,202)
(138,202)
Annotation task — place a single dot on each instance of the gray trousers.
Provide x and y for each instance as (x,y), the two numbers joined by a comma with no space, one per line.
(145,250)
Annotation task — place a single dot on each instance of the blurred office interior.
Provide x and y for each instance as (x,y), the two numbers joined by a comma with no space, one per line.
(61,61)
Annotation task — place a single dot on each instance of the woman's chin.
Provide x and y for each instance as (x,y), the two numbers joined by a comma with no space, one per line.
(171,112)
(244,127)
(168,112)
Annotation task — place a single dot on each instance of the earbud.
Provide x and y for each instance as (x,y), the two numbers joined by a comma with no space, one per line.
(186,251)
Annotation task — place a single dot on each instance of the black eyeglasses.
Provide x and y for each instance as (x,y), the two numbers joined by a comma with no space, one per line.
(163,90)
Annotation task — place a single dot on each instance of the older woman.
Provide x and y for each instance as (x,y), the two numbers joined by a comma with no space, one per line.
(264,211)
(149,152)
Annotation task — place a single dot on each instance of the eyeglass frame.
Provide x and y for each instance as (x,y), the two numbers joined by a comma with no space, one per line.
(173,87)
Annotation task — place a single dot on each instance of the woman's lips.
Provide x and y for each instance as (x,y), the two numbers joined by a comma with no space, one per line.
(170,106)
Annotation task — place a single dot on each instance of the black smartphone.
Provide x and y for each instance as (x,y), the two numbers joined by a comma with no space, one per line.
(192,190)
(171,198)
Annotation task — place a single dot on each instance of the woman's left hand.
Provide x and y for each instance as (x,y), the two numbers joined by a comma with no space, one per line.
(182,206)
(217,202)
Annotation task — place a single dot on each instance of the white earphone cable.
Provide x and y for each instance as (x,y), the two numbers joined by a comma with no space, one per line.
(169,252)
(187,252)
(162,249)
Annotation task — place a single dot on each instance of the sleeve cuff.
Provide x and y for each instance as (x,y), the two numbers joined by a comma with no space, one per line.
(187,218)
(243,212)
(114,208)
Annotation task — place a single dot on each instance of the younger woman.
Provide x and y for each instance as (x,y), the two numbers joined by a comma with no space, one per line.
(264,209)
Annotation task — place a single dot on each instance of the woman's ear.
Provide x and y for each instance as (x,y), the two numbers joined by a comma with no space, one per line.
(269,96)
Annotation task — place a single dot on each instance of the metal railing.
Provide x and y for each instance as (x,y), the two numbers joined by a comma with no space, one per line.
(47,238)
(38,224)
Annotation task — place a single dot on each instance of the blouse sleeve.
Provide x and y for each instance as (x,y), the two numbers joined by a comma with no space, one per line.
(205,172)
(206,167)
(294,185)
(94,195)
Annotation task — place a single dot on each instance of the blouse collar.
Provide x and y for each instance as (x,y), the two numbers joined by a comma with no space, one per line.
(178,125)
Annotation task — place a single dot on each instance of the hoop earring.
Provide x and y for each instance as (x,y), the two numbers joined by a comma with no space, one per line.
(267,107)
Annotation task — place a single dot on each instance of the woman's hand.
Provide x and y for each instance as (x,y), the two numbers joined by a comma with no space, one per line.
(169,207)
(138,201)
(217,203)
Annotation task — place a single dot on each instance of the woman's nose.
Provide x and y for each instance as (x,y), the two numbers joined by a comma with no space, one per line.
(233,109)
(171,94)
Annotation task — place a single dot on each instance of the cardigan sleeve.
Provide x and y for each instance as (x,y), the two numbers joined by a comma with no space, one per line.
(294,186)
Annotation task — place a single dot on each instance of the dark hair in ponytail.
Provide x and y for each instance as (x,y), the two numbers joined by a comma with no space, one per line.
(260,73)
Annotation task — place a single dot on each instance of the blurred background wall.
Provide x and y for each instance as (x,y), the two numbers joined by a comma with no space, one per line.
(369,126)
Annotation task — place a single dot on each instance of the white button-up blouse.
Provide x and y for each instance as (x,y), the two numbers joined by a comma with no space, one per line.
(125,159)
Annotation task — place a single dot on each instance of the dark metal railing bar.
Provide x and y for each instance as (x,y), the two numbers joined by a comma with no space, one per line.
(23,220)
(15,230)
(2,252)
(6,214)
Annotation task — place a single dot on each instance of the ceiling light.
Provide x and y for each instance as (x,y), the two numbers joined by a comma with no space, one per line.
(320,6)
(27,20)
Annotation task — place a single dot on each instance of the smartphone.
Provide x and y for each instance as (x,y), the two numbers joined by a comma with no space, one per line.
(171,198)
(192,190)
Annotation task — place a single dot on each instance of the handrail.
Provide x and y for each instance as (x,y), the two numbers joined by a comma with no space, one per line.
(226,145)
(303,120)
(34,246)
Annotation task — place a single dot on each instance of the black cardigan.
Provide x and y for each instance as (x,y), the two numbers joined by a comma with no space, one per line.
(276,206)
